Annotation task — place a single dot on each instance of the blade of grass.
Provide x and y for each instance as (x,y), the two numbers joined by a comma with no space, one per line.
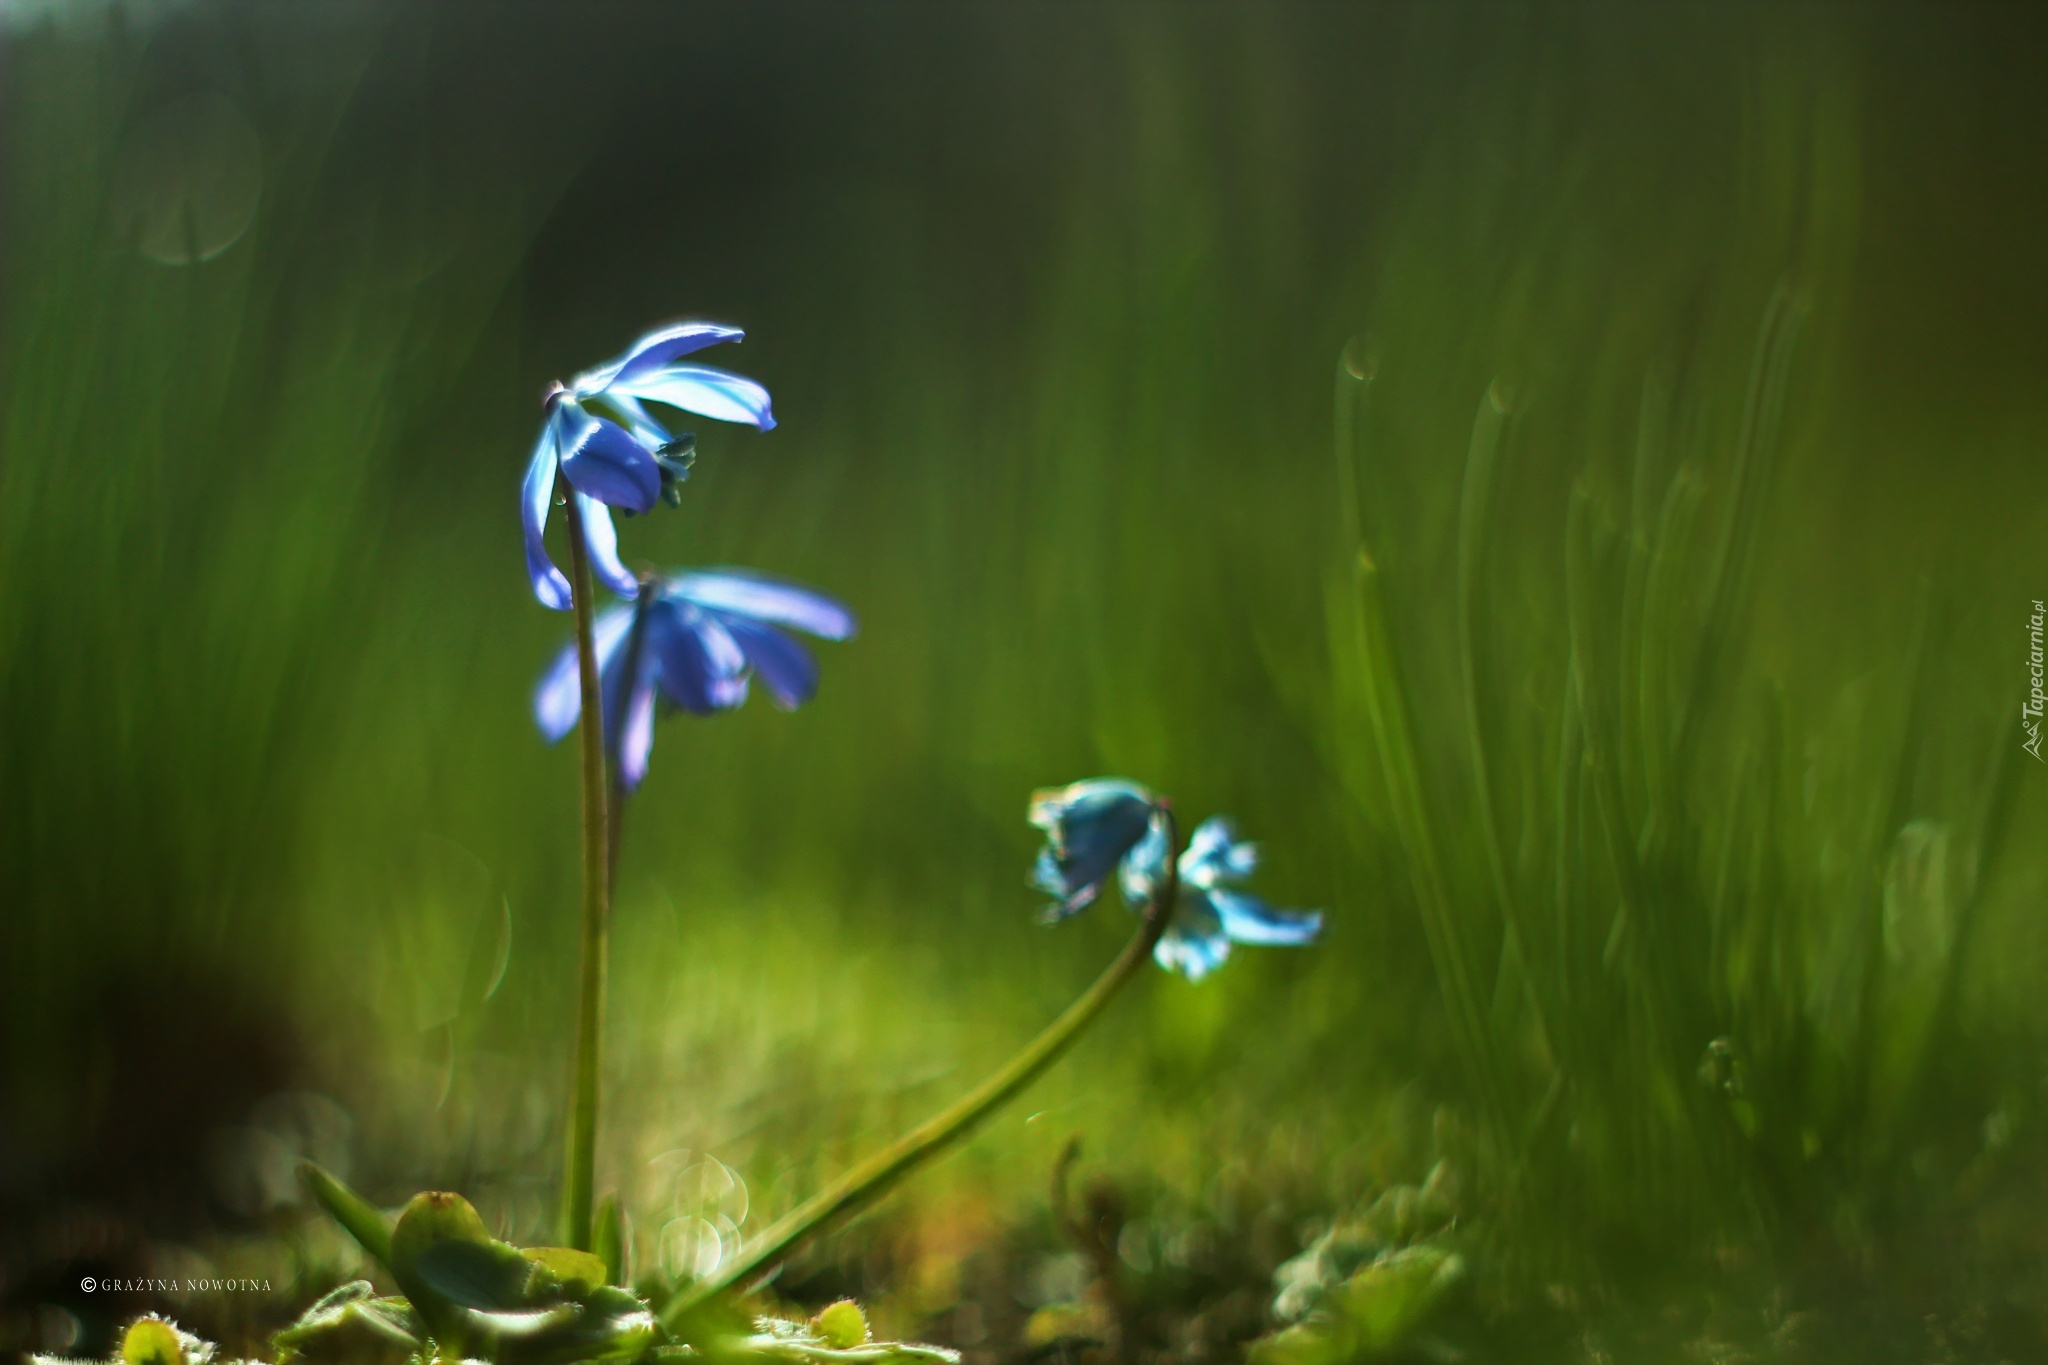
(1387,710)
(1651,418)
(1475,662)
(1662,633)
(1729,567)
(355,1214)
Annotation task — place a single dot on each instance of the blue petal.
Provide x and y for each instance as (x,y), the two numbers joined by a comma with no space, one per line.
(559,698)
(729,663)
(1144,866)
(602,459)
(1215,855)
(646,430)
(636,742)
(536,494)
(786,666)
(680,666)
(698,664)
(1247,919)
(653,351)
(1089,827)
(741,593)
(1193,958)
(612,679)
(1053,805)
(1194,943)
(603,542)
(1048,876)
(706,392)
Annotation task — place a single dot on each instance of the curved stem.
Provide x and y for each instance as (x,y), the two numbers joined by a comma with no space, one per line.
(580,1161)
(869,1180)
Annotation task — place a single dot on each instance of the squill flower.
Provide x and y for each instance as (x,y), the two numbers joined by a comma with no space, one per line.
(1210,913)
(702,637)
(1089,827)
(600,436)
(1108,826)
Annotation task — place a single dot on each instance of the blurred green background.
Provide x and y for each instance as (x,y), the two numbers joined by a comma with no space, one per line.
(1127,359)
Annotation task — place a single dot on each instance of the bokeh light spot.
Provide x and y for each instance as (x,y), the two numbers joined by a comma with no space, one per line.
(188,180)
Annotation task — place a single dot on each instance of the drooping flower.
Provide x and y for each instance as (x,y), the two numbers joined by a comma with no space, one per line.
(703,637)
(1089,827)
(1210,913)
(599,434)
(1111,826)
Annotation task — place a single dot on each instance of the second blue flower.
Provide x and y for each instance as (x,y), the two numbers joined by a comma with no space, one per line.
(702,637)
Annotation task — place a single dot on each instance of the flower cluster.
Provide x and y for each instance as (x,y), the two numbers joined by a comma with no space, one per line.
(694,640)
(1109,825)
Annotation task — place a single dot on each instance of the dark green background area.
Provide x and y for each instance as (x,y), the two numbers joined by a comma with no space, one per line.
(1051,299)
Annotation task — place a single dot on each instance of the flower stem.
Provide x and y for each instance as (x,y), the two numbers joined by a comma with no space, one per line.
(873,1177)
(580,1161)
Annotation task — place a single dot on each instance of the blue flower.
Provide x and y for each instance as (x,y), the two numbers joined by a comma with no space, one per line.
(1210,913)
(1110,826)
(1089,828)
(600,436)
(702,637)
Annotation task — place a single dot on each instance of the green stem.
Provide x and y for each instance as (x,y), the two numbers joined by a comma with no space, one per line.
(580,1162)
(869,1180)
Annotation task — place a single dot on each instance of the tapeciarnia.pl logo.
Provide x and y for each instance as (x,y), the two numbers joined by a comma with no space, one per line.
(2030,709)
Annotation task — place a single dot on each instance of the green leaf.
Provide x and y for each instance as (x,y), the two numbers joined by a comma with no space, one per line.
(487,1276)
(152,1341)
(715,1321)
(1388,1299)
(349,1209)
(775,1341)
(842,1325)
(1317,1343)
(612,1240)
(570,1267)
(612,1324)
(1305,1282)
(481,1296)
(1060,1328)
(1374,1311)
(336,1299)
(513,1324)
(351,1324)
(432,1217)
(437,1219)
